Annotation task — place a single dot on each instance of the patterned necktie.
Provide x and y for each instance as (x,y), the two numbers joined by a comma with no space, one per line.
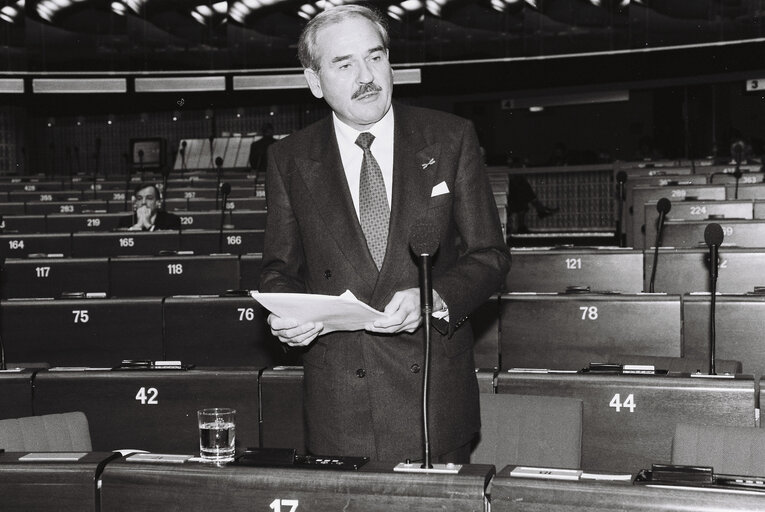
(374,213)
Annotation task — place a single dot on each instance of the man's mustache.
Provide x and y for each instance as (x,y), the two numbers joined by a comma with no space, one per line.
(366,89)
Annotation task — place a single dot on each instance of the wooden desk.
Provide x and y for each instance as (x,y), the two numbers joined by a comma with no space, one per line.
(629,420)
(46,486)
(129,486)
(529,494)
(153,410)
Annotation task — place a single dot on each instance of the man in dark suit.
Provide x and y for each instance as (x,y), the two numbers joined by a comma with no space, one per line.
(363,388)
(147,211)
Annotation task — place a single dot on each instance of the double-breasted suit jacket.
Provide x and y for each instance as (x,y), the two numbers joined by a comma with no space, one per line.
(363,390)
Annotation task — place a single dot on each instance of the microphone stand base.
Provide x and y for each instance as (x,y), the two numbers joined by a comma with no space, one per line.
(416,467)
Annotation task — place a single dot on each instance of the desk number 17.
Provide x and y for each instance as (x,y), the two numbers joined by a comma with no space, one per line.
(276,505)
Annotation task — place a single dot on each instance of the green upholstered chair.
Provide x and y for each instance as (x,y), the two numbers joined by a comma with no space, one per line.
(530,431)
(728,450)
(47,433)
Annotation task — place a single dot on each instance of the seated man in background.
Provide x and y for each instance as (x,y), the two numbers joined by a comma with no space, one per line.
(147,212)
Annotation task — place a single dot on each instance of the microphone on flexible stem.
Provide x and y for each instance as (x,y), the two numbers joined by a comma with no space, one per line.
(219,165)
(424,243)
(737,150)
(225,190)
(713,236)
(128,171)
(95,169)
(211,138)
(183,156)
(77,159)
(68,152)
(52,149)
(2,345)
(165,175)
(621,177)
(663,206)
(140,161)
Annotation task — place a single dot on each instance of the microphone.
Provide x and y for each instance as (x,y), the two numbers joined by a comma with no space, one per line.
(713,236)
(621,177)
(211,138)
(68,153)
(737,151)
(2,345)
(183,156)
(128,171)
(98,153)
(663,206)
(95,169)
(140,161)
(423,242)
(219,165)
(77,159)
(165,175)
(225,190)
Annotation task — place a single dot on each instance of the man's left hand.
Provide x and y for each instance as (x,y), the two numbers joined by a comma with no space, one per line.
(403,313)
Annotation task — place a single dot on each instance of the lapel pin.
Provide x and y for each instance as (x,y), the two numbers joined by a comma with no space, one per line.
(428,164)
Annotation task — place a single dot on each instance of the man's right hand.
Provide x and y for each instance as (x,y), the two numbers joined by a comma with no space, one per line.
(143,214)
(293,333)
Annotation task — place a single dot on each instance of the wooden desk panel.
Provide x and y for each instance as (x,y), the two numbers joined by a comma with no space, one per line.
(554,269)
(47,486)
(629,420)
(374,488)
(153,410)
(537,495)
(569,331)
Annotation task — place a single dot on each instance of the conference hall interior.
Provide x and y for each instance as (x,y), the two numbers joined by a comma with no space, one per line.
(619,363)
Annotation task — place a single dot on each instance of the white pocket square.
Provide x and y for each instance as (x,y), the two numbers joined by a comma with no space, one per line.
(439,189)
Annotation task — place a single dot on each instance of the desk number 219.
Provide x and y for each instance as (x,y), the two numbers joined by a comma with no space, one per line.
(276,505)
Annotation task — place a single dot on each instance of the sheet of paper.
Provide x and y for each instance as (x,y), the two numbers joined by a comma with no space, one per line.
(338,312)
(51,456)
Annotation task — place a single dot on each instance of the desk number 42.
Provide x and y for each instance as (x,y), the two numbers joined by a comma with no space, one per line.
(277,504)
(629,402)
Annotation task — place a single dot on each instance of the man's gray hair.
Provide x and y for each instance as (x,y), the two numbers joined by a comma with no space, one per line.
(307,41)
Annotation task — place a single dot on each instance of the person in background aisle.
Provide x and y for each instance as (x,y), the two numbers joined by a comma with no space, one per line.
(520,197)
(259,148)
(343,197)
(147,211)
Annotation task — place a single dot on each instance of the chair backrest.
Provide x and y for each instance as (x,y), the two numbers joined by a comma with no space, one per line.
(529,430)
(51,432)
(728,450)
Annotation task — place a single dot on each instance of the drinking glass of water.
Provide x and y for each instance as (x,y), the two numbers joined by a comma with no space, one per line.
(217,434)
